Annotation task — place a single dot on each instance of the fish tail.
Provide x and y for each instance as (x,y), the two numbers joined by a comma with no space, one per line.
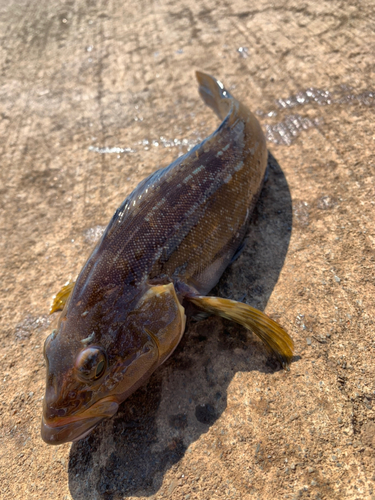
(214,94)
(274,337)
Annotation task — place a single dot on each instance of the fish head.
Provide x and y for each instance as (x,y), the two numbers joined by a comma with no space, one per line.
(90,374)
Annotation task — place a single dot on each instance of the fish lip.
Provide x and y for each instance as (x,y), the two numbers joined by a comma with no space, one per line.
(64,430)
(72,431)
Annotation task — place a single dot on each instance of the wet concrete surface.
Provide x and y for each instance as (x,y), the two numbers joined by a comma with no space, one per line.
(96,95)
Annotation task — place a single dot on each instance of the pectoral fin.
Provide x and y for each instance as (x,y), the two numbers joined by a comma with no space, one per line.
(59,300)
(163,318)
(274,337)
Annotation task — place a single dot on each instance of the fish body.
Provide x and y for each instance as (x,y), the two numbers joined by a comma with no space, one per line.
(165,247)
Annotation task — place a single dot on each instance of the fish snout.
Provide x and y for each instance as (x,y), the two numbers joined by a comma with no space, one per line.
(65,433)
(57,429)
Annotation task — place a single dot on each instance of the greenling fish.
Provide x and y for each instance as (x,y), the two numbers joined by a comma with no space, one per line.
(164,249)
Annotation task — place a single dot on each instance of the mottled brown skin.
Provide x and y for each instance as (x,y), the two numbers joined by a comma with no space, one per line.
(175,233)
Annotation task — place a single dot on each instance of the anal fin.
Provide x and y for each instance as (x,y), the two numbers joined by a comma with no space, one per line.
(274,337)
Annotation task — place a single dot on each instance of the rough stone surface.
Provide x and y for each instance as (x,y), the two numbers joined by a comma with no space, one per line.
(95,95)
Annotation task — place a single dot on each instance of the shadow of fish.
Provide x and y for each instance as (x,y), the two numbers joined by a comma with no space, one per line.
(164,249)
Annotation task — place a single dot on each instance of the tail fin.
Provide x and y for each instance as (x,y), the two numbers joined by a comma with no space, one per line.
(214,94)
(274,337)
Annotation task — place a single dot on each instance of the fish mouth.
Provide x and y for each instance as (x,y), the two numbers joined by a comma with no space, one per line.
(74,428)
(72,431)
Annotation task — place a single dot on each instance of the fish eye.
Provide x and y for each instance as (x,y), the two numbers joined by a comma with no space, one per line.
(91,363)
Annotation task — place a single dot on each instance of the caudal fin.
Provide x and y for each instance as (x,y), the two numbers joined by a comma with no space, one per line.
(274,337)
(214,94)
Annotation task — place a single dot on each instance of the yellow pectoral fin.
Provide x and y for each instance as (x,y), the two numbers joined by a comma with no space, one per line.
(274,337)
(59,300)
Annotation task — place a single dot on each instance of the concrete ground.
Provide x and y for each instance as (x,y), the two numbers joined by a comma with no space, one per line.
(95,95)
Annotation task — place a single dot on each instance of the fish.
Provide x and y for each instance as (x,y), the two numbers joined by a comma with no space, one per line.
(162,252)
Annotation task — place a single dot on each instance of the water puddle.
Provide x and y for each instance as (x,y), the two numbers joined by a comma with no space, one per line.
(107,150)
(93,234)
(284,131)
(184,145)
